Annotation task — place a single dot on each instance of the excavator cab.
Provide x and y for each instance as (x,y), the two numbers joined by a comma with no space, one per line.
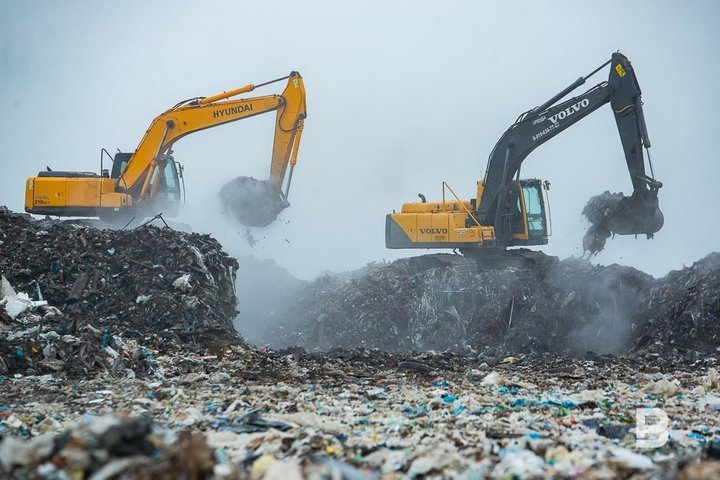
(527,220)
(170,188)
(120,162)
(531,206)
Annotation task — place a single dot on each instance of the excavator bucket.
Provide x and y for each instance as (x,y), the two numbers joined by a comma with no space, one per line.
(635,215)
(614,213)
(253,202)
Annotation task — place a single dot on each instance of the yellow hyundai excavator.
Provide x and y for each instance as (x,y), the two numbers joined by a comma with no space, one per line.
(149,180)
(509,211)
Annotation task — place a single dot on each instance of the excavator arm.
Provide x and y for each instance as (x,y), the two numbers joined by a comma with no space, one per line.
(143,175)
(636,214)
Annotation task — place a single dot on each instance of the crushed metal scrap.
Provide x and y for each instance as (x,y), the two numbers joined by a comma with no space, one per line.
(76,298)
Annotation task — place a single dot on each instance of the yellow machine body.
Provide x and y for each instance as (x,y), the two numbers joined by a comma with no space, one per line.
(454,224)
(83,196)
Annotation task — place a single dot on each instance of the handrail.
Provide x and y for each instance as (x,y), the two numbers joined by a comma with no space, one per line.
(445,184)
(102,153)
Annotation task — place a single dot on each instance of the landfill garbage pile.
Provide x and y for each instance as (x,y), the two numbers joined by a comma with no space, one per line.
(76,299)
(442,302)
(683,311)
(357,414)
(253,202)
(597,211)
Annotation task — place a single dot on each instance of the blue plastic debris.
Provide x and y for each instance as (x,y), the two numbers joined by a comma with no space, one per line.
(547,403)
(417,410)
(449,398)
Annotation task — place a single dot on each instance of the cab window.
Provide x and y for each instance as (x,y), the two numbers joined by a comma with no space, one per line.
(534,209)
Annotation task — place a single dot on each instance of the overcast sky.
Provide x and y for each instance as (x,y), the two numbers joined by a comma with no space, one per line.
(401,95)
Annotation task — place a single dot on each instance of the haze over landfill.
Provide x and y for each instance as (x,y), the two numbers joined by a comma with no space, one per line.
(252,338)
(402,106)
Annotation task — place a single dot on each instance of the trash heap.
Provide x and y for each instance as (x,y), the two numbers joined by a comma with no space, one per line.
(683,310)
(76,299)
(443,302)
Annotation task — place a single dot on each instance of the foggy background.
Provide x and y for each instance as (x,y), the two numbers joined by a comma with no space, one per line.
(401,95)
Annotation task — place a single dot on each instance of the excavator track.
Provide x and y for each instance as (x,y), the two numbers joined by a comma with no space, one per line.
(500,258)
(476,260)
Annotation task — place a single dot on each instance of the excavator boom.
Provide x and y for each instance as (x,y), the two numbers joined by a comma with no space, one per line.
(539,125)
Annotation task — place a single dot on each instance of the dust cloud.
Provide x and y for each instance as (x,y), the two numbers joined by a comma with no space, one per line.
(263,290)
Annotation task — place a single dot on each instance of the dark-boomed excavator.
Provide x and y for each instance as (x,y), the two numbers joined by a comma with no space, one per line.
(509,211)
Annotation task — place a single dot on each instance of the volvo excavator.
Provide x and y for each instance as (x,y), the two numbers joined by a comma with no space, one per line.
(509,211)
(149,180)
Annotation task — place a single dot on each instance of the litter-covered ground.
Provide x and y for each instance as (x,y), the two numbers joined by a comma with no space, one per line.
(253,202)
(353,414)
(75,299)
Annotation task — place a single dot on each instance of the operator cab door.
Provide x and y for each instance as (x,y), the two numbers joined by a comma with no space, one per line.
(120,164)
(533,207)
(528,219)
(169,190)
(168,194)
